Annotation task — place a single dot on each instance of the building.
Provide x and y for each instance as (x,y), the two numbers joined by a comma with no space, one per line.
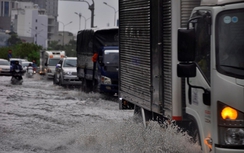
(5,14)
(28,21)
(51,6)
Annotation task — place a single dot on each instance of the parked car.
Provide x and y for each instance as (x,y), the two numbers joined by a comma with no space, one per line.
(4,67)
(66,72)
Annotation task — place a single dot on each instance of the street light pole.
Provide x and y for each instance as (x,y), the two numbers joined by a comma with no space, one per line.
(92,8)
(86,20)
(114,11)
(36,33)
(79,14)
(63,29)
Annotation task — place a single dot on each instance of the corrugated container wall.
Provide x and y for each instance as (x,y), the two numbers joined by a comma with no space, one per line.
(145,29)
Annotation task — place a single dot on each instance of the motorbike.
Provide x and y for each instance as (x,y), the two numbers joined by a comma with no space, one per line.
(17,78)
(30,72)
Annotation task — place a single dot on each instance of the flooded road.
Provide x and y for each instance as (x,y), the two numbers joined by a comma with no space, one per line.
(39,117)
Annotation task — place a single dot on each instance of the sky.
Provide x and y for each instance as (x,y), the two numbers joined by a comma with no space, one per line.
(104,15)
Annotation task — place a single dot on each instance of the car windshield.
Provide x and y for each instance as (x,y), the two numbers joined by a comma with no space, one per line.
(4,63)
(111,57)
(230,43)
(53,62)
(70,63)
(14,61)
(25,64)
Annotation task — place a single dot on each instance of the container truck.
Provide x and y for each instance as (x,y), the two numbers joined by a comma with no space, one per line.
(183,60)
(98,59)
(48,61)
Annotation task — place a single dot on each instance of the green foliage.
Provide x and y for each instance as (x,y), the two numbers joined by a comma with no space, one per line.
(4,52)
(28,51)
(53,45)
(70,48)
(14,39)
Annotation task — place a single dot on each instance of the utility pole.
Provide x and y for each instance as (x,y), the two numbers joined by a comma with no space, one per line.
(63,29)
(114,11)
(90,7)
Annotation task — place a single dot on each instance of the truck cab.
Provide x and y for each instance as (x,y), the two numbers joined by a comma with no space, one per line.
(215,82)
(107,69)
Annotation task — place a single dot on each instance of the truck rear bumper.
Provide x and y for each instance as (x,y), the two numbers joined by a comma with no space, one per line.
(108,88)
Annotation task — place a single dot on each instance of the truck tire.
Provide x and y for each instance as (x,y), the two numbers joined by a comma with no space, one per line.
(86,85)
(55,80)
(61,80)
(94,86)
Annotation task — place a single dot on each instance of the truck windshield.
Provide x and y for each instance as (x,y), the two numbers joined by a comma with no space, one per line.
(70,63)
(111,57)
(230,43)
(53,62)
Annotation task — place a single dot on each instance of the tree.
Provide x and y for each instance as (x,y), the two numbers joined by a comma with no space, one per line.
(28,51)
(70,48)
(14,39)
(53,45)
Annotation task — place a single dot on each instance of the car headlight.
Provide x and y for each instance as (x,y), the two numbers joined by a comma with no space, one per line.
(234,136)
(231,125)
(105,80)
(67,73)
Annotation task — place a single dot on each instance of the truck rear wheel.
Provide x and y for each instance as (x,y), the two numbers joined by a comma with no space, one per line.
(86,85)
(94,86)
(61,80)
(55,79)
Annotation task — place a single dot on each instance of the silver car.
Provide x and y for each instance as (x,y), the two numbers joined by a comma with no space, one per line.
(66,72)
(4,68)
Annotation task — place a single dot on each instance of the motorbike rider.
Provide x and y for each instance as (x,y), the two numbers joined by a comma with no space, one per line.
(29,67)
(29,70)
(17,68)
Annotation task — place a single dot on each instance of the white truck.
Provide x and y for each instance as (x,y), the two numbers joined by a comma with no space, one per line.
(48,61)
(183,60)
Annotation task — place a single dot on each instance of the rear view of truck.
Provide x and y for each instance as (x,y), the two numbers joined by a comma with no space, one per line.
(100,73)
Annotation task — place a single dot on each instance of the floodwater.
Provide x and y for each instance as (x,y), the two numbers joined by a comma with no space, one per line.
(39,117)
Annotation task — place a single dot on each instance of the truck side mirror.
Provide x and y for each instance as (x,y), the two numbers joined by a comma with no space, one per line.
(186,45)
(186,70)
